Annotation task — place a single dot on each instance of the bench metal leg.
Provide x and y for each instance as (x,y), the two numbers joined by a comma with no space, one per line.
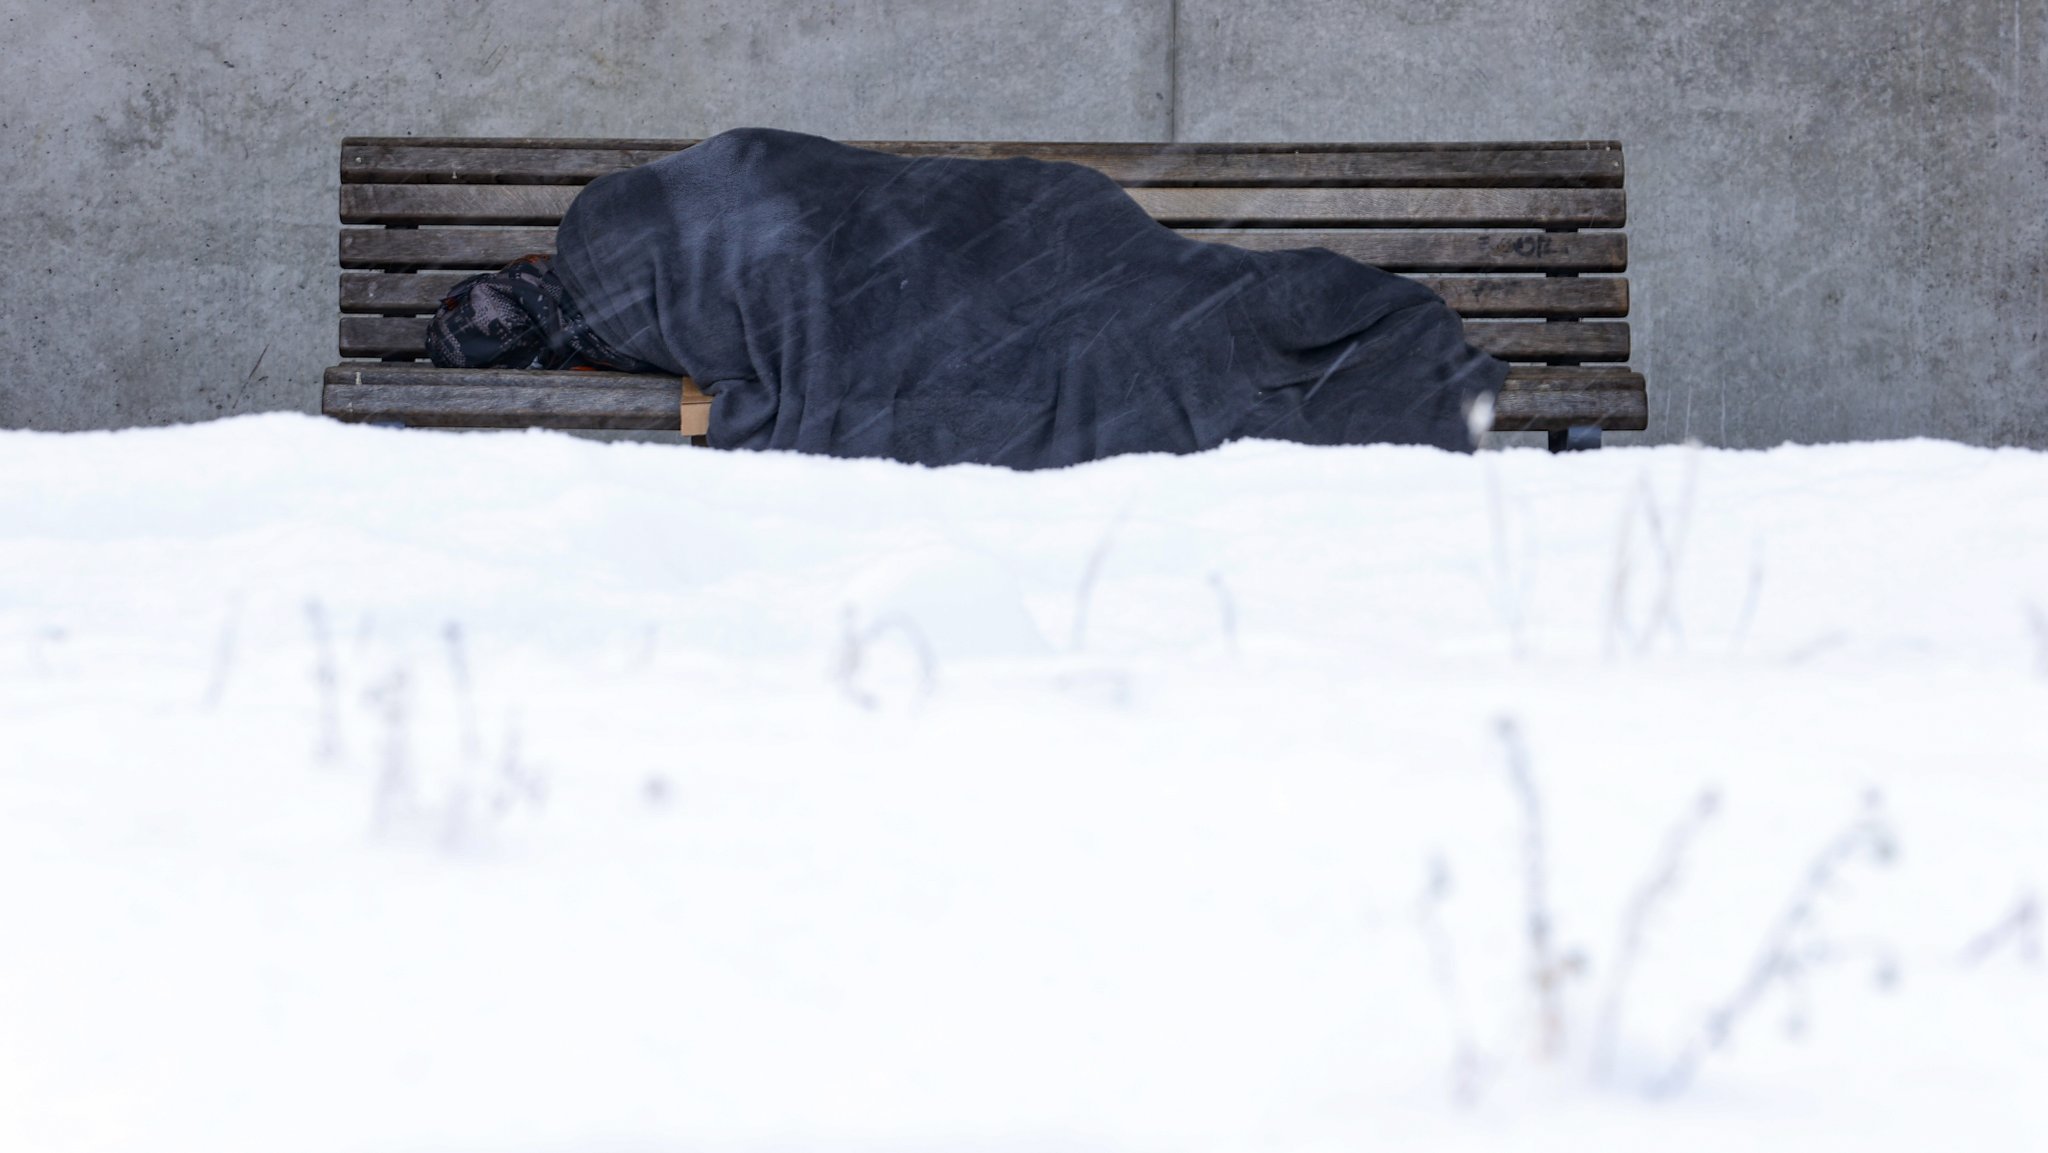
(1577,438)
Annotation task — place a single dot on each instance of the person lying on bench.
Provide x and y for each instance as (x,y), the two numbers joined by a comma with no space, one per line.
(940,310)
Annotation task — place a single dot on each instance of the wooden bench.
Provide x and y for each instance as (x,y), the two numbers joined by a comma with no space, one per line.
(1525,241)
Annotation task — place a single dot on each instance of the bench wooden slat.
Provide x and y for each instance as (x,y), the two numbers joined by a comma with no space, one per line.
(427,397)
(968,147)
(375,336)
(1569,341)
(1576,252)
(471,248)
(1574,378)
(1175,207)
(405,294)
(455,203)
(378,336)
(1565,252)
(1616,410)
(1526,166)
(1386,207)
(1480,297)
(1534,399)
(396,293)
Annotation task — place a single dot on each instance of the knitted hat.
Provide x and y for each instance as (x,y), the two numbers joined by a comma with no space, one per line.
(518,317)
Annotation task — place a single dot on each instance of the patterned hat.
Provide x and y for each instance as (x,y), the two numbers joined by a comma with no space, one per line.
(518,317)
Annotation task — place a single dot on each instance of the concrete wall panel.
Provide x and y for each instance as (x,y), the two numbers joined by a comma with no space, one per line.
(171,168)
(1838,211)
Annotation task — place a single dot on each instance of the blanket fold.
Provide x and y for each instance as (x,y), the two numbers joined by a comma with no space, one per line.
(1017,312)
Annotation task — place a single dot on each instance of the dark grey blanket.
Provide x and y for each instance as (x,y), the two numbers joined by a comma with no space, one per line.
(1015,312)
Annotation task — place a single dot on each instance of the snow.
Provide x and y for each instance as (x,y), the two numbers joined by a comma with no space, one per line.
(372,790)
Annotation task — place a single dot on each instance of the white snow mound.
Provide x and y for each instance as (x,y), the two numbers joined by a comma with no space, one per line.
(373,790)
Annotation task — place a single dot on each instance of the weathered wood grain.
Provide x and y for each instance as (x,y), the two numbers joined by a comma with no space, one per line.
(1576,378)
(1570,341)
(421,396)
(981,147)
(375,336)
(1175,207)
(1616,410)
(1385,207)
(455,203)
(427,397)
(1549,297)
(396,293)
(408,294)
(1397,251)
(469,248)
(1505,166)
(380,336)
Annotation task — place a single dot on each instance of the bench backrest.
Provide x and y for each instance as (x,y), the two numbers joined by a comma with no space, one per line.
(1523,240)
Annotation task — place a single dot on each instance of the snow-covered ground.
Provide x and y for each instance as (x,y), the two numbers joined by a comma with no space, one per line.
(395,791)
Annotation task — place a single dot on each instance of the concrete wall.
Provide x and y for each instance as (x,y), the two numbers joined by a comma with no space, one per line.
(1839,211)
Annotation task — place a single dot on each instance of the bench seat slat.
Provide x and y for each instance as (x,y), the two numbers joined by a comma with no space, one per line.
(1176,207)
(1575,252)
(406,294)
(379,336)
(968,147)
(1562,252)
(1386,207)
(1568,341)
(427,397)
(1480,297)
(470,248)
(1534,399)
(1545,410)
(1573,378)
(1525,166)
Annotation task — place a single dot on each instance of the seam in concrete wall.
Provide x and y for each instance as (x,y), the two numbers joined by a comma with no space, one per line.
(1173,71)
